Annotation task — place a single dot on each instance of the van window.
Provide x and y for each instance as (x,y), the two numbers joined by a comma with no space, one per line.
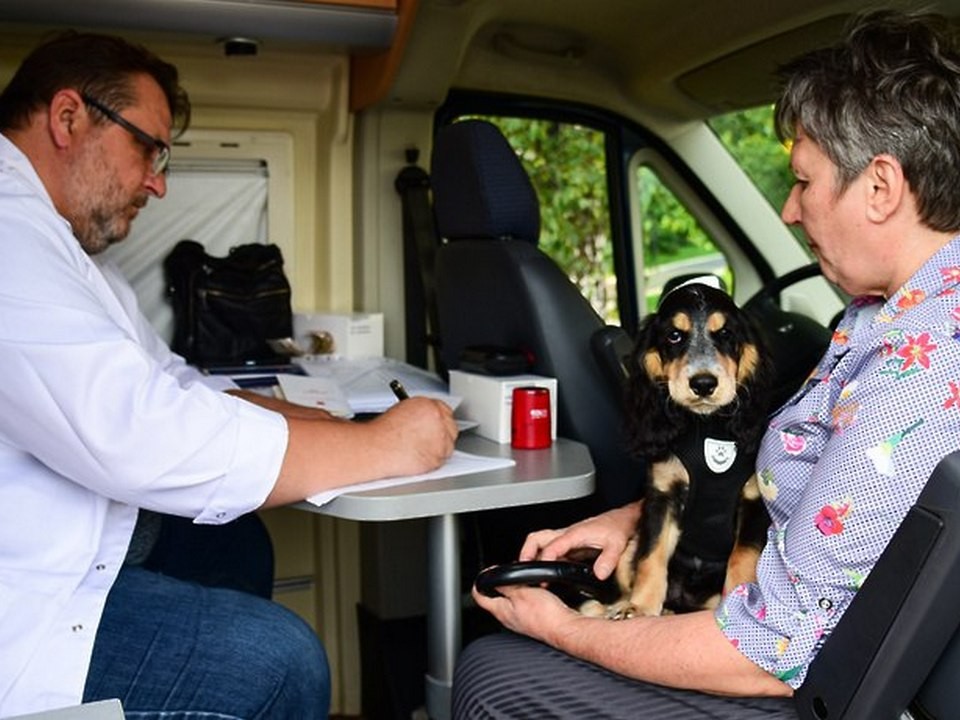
(750,137)
(567,164)
(567,167)
(674,242)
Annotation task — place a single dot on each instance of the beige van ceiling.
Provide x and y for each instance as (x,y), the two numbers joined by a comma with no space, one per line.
(685,58)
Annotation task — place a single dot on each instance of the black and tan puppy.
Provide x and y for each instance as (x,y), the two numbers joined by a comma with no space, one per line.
(698,397)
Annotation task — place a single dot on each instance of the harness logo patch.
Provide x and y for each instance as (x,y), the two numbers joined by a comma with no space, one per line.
(719,454)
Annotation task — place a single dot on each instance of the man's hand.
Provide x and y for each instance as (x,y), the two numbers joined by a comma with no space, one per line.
(421,432)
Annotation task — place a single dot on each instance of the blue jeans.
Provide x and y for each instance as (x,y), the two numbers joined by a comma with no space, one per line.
(181,651)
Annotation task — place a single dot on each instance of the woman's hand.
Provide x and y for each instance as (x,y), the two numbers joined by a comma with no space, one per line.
(609,533)
(530,611)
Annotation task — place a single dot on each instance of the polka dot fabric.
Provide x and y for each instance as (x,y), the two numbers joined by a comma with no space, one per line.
(843,461)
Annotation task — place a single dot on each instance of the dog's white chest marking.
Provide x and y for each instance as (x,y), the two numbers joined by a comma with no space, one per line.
(719,454)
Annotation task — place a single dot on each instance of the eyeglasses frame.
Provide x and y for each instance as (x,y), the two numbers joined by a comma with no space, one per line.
(162,157)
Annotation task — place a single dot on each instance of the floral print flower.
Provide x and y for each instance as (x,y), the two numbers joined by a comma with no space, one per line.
(829,520)
(882,455)
(950,275)
(954,400)
(917,350)
(766,485)
(910,298)
(793,443)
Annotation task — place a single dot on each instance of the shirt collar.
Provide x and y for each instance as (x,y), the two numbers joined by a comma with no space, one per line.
(14,164)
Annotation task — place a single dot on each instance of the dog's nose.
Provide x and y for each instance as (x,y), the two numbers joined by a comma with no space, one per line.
(703,385)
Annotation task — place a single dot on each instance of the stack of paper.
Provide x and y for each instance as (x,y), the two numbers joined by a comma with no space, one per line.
(460,463)
(365,382)
(315,392)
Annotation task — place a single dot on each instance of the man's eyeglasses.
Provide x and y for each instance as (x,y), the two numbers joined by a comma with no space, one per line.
(161,151)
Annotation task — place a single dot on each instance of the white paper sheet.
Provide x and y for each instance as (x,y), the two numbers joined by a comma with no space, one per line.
(315,392)
(460,463)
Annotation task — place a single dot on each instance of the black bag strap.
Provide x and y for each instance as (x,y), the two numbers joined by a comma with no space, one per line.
(420,241)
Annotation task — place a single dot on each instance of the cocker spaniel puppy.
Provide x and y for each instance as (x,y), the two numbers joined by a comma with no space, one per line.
(698,394)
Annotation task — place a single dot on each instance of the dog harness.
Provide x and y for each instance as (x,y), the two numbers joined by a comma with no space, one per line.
(717,475)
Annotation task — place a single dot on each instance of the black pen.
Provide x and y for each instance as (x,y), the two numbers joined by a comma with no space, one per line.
(399,390)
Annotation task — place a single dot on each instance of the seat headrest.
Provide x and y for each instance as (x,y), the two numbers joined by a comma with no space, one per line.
(480,189)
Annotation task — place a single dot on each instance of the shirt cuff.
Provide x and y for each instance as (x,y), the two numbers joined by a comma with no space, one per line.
(260,446)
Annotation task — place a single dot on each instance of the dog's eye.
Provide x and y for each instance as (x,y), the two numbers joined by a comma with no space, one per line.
(723,333)
(675,337)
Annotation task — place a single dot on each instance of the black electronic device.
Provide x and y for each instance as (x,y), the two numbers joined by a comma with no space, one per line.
(563,577)
(494,360)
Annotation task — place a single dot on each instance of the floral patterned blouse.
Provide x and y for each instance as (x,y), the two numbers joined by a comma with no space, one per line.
(843,461)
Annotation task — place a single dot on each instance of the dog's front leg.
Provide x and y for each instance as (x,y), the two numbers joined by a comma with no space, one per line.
(752,524)
(658,534)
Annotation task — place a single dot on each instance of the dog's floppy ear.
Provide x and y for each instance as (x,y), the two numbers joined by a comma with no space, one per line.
(755,374)
(652,421)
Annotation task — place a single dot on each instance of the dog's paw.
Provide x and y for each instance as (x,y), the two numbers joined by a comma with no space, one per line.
(593,608)
(624,610)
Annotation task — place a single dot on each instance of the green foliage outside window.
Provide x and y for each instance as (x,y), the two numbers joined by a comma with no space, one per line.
(567,168)
(751,139)
(566,163)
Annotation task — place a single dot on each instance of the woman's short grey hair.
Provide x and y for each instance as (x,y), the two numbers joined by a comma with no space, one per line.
(891,86)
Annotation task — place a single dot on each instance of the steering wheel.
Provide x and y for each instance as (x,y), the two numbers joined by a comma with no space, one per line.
(795,341)
(573,582)
(770,293)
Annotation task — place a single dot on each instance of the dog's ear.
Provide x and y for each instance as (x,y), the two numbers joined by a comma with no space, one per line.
(651,426)
(755,376)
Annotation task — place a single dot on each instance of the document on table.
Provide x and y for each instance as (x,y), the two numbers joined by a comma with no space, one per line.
(460,463)
(366,381)
(317,392)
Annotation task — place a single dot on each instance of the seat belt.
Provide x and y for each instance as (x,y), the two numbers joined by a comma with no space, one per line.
(419,249)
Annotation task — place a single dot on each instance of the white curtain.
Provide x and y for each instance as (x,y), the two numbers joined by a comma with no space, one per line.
(217,203)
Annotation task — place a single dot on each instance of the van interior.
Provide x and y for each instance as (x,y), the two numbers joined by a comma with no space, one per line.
(313,118)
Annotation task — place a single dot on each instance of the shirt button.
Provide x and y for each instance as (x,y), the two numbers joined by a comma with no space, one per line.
(825,604)
(100,566)
(76,628)
(221,515)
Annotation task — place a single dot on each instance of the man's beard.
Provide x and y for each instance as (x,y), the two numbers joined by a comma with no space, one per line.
(100,215)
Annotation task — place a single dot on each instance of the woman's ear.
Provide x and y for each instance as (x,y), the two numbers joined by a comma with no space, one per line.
(886,187)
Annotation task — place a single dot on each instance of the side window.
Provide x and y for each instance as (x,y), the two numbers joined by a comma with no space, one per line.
(566,162)
(674,242)
(567,166)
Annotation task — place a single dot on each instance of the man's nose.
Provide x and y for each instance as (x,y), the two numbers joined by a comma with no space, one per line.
(156,184)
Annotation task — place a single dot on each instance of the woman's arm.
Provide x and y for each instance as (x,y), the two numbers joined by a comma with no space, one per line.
(683,651)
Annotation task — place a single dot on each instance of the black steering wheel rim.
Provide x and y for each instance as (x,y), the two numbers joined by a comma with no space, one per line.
(770,293)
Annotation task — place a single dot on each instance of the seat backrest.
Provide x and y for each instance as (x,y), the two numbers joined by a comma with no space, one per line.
(495,287)
(897,643)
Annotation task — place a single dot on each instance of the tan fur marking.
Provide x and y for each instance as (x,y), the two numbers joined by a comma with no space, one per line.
(666,474)
(682,321)
(751,490)
(653,364)
(650,585)
(716,321)
(749,360)
(741,567)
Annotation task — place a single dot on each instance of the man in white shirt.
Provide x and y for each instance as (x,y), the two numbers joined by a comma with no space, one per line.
(99,418)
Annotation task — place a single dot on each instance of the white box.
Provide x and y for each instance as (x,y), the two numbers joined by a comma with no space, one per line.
(488,399)
(354,334)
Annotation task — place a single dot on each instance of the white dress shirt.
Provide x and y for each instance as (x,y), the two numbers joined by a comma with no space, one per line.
(97,418)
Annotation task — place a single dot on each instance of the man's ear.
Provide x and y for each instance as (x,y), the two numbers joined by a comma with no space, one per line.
(887,187)
(66,114)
